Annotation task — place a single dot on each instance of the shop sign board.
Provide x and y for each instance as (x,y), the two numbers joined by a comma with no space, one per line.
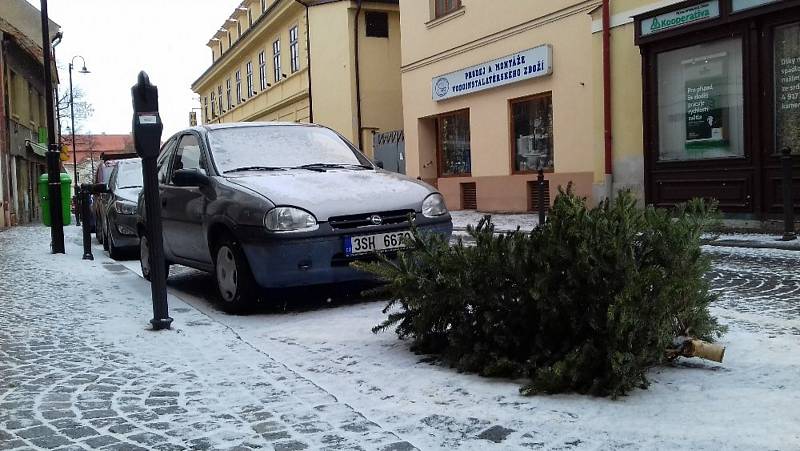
(741,5)
(680,18)
(524,65)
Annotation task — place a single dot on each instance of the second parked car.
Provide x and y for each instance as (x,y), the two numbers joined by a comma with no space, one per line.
(281,205)
(119,209)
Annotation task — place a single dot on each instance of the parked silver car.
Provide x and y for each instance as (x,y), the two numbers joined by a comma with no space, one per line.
(281,205)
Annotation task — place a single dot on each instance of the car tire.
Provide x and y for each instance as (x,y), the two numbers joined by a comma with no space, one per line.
(113,251)
(105,238)
(235,283)
(98,232)
(144,259)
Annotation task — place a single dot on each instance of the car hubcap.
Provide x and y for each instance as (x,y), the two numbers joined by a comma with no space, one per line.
(227,274)
(144,256)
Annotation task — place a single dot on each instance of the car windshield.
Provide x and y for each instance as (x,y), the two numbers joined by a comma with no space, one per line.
(280,146)
(129,175)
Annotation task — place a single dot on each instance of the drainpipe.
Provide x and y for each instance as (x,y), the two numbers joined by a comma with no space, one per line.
(607,119)
(5,139)
(308,64)
(358,78)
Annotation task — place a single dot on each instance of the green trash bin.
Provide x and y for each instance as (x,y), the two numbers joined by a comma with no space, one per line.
(66,197)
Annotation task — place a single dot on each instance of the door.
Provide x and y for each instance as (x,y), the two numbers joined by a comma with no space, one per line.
(781,110)
(390,150)
(183,207)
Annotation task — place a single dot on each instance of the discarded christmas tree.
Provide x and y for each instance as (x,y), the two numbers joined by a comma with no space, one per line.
(585,303)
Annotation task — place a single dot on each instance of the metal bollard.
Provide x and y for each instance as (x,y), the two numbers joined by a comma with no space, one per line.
(788,199)
(84,195)
(540,183)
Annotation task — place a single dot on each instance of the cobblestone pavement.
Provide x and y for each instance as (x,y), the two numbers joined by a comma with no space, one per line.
(80,370)
(66,382)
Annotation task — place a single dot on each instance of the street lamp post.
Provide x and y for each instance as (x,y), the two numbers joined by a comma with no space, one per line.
(72,120)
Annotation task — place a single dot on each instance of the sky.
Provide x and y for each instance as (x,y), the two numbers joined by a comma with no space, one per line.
(119,38)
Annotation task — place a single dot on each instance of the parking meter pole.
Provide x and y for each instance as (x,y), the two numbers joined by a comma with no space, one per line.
(84,194)
(53,155)
(147,128)
(540,194)
(788,200)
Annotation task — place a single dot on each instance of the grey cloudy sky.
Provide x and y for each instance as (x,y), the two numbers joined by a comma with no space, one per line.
(119,38)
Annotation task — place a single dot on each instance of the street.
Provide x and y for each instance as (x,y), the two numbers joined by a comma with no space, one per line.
(80,369)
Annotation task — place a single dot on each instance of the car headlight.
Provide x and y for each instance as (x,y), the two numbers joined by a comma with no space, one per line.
(289,219)
(433,206)
(124,208)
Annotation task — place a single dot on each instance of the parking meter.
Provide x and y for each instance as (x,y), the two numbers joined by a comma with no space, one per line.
(147,128)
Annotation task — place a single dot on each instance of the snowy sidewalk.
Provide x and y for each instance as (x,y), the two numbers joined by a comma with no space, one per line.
(506,222)
(80,370)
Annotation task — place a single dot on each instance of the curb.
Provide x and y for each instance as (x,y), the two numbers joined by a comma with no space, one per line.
(778,245)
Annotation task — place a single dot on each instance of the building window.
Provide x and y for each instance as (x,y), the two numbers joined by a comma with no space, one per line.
(787,87)
(228,93)
(250,92)
(219,99)
(238,86)
(220,47)
(276,59)
(262,70)
(700,102)
(294,48)
(213,108)
(249,17)
(205,109)
(445,7)
(532,132)
(238,29)
(377,24)
(228,33)
(263,6)
(452,133)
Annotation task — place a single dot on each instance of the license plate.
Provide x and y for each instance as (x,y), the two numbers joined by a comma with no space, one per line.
(364,244)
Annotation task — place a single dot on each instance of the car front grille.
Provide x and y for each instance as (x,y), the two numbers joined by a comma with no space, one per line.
(370,219)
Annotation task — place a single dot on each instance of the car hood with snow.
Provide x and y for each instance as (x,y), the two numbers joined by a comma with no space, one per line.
(337,192)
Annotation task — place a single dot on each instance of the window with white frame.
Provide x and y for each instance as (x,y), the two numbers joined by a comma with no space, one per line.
(205,109)
(276,59)
(250,91)
(238,30)
(262,70)
(228,93)
(213,108)
(238,77)
(219,99)
(250,17)
(263,6)
(294,48)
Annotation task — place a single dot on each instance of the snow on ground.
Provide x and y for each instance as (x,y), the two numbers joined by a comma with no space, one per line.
(286,364)
(502,221)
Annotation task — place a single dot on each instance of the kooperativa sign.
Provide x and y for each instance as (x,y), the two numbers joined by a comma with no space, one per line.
(680,18)
(531,63)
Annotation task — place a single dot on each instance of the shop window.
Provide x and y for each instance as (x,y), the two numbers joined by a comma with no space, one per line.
(377,24)
(787,88)
(532,133)
(453,144)
(700,102)
(445,7)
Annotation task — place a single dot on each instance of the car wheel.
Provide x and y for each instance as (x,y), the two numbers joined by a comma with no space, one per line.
(235,282)
(105,238)
(144,259)
(98,232)
(113,251)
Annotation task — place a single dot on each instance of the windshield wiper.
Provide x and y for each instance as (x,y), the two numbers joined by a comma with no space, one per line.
(322,166)
(254,168)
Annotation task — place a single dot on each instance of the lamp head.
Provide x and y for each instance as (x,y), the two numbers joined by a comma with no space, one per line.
(84,70)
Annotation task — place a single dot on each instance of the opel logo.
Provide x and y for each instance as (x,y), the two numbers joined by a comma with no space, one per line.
(376,220)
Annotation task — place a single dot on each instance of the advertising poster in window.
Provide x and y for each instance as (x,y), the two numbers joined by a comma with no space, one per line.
(705,87)
(787,88)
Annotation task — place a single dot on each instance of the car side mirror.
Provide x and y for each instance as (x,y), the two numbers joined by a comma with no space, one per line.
(189,177)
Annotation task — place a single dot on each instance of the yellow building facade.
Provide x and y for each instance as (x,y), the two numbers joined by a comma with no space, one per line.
(704,96)
(334,63)
(492,91)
